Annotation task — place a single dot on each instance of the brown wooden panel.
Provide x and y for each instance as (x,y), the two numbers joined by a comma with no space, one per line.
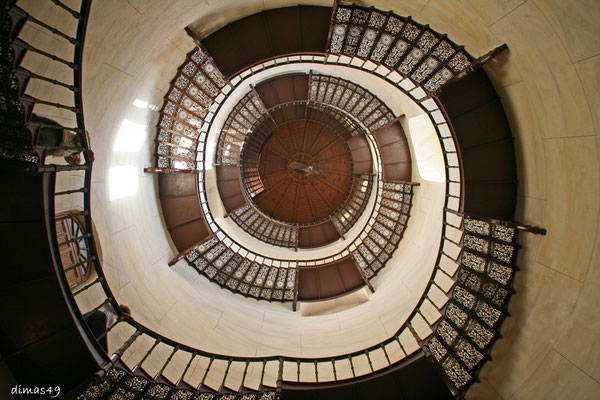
(268,34)
(186,235)
(357,142)
(252,38)
(317,235)
(283,89)
(176,184)
(267,94)
(283,24)
(395,152)
(397,172)
(292,113)
(301,86)
(362,160)
(389,134)
(329,281)
(350,274)
(224,51)
(234,202)
(289,113)
(363,167)
(361,155)
(308,285)
(179,210)
(227,172)
(485,141)
(314,23)
(230,187)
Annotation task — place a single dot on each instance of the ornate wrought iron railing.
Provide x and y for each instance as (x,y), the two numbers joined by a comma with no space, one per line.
(455,321)
(278,368)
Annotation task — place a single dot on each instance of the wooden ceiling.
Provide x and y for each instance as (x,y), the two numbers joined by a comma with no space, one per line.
(292,196)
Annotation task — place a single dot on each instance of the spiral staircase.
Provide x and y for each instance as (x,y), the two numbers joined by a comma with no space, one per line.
(440,348)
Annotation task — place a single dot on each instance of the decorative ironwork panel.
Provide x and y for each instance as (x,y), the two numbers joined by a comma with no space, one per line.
(355,204)
(261,227)
(471,320)
(355,100)
(415,51)
(381,241)
(119,384)
(192,92)
(245,115)
(230,270)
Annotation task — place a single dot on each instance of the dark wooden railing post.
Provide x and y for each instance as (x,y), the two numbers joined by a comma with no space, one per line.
(294,305)
(187,366)
(369,359)
(222,387)
(161,370)
(474,66)
(139,364)
(279,389)
(201,386)
(74,13)
(262,374)
(334,369)
(352,366)
(86,287)
(387,357)
(119,353)
(244,376)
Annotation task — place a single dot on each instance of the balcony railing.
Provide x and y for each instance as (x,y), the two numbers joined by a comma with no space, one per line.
(456,320)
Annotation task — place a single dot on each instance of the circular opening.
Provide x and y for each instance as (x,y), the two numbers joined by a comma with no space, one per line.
(306,172)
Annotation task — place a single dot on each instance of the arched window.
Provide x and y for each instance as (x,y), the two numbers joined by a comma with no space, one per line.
(74,249)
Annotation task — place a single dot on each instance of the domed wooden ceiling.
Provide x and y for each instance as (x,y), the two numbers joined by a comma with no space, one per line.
(306,170)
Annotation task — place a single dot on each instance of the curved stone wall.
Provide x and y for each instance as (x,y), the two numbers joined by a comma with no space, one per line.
(550,90)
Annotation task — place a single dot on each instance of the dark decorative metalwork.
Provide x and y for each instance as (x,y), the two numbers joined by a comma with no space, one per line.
(471,320)
(414,50)
(384,236)
(222,265)
(270,231)
(186,104)
(121,384)
(352,98)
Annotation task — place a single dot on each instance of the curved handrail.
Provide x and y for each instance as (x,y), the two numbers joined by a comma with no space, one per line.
(473,236)
(432,107)
(359,127)
(416,311)
(279,358)
(123,318)
(419,96)
(458,155)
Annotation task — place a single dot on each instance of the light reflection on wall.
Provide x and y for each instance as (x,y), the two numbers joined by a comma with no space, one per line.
(144,104)
(122,182)
(426,145)
(130,138)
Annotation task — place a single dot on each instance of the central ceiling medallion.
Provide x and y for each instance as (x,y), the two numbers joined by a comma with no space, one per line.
(306,171)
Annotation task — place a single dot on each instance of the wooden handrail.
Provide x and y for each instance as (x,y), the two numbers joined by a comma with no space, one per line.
(177,346)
